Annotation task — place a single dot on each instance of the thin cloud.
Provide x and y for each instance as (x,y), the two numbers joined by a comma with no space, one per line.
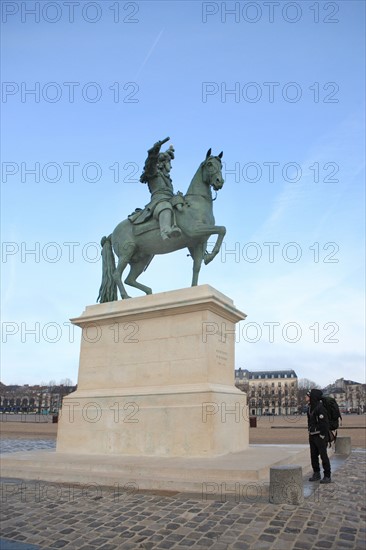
(150,52)
(329,146)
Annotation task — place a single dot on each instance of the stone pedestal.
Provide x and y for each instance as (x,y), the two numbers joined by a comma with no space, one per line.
(343,446)
(286,485)
(156,378)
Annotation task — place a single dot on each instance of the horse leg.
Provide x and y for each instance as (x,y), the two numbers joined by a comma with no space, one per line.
(136,269)
(197,253)
(117,276)
(123,261)
(205,231)
(221,232)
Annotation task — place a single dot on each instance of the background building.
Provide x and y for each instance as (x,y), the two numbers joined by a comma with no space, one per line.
(269,392)
(42,399)
(350,395)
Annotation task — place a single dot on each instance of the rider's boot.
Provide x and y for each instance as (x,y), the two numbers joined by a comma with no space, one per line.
(167,230)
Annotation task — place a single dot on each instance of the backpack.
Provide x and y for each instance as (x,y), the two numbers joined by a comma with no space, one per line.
(331,406)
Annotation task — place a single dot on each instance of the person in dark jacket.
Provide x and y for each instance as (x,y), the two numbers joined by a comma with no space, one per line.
(318,426)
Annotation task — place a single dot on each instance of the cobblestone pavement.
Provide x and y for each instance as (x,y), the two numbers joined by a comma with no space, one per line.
(80,517)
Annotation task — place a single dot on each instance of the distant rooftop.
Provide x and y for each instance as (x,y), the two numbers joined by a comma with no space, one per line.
(264,374)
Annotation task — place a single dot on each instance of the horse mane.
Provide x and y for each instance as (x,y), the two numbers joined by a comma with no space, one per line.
(197,178)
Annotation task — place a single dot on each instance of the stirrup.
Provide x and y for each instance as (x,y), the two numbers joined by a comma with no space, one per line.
(175,232)
(171,232)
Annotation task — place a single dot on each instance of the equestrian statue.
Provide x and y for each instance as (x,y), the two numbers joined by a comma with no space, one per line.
(168,222)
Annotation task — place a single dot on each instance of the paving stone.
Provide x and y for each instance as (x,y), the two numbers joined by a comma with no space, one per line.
(193,536)
(277,523)
(272,530)
(59,543)
(325,544)
(227,521)
(165,544)
(145,521)
(205,542)
(346,536)
(174,537)
(302,545)
(293,530)
(268,538)
(349,530)
(183,531)
(282,545)
(311,531)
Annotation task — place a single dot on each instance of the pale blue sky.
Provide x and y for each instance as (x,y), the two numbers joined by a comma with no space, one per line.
(160,64)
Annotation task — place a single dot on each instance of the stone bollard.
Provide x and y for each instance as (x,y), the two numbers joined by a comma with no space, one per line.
(343,446)
(286,485)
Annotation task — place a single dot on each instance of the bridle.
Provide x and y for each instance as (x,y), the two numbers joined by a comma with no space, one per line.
(212,173)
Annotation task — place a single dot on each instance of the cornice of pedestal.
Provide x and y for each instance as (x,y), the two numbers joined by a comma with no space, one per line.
(186,300)
(181,389)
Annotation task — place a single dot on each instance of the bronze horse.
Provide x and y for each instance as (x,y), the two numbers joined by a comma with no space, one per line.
(196,221)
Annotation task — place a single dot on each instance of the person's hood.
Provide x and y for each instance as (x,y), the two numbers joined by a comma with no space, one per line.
(316,395)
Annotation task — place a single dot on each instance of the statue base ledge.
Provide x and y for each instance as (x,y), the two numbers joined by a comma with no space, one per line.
(167,303)
(223,477)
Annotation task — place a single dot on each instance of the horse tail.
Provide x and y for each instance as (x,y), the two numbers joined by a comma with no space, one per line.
(108,287)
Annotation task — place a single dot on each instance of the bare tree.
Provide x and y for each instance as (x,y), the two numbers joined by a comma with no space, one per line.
(52,389)
(41,396)
(65,388)
(303,386)
(66,382)
(305,383)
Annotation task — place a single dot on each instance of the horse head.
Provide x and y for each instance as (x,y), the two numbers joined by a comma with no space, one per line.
(211,171)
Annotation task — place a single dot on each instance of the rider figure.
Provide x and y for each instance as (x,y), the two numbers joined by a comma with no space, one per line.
(157,175)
